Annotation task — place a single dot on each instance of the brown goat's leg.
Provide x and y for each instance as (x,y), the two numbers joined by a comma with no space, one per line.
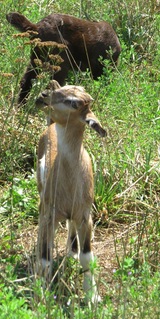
(26,84)
(61,75)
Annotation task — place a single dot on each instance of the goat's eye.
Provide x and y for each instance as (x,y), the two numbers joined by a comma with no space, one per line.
(73,102)
(44,94)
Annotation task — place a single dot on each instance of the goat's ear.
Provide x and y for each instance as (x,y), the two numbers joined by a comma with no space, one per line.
(92,121)
(54,85)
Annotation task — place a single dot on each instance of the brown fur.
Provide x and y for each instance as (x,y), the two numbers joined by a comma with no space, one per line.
(86,41)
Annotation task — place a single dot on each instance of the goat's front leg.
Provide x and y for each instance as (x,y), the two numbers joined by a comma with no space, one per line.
(26,83)
(46,232)
(86,257)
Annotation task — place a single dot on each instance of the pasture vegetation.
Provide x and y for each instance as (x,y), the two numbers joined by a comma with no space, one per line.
(126,167)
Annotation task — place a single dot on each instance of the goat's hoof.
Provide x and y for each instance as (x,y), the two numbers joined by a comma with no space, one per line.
(73,255)
(93,299)
(96,299)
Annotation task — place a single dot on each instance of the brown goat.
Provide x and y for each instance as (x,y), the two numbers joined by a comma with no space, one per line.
(85,42)
(65,177)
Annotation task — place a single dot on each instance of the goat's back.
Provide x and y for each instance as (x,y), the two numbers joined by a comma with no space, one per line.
(81,36)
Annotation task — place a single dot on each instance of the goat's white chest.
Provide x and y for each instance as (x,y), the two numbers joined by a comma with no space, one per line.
(69,146)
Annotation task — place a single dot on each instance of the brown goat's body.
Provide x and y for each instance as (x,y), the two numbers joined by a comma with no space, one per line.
(86,41)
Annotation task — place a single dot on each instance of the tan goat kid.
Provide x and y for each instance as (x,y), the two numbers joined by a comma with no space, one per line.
(65,178)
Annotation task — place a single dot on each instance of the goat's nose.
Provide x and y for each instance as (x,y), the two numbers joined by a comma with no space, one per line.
(40,101)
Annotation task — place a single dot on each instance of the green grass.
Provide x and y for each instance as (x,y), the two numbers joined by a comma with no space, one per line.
(126,171)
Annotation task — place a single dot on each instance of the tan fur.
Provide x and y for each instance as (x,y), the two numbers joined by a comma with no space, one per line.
(65,177)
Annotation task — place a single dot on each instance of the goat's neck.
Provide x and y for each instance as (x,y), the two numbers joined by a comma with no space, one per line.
(69,140)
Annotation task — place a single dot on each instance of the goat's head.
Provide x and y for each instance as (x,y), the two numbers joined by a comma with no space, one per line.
(68,103)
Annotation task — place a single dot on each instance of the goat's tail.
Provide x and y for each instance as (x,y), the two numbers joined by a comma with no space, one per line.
(20,22)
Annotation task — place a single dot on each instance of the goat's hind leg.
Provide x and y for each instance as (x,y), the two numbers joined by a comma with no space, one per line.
(72,243)
(86,257)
